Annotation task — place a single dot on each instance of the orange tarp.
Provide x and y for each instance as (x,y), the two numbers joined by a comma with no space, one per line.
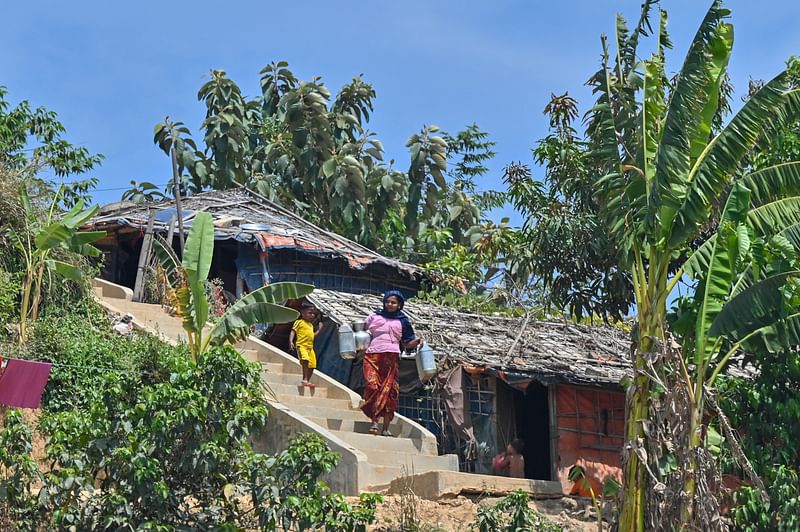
(590,425)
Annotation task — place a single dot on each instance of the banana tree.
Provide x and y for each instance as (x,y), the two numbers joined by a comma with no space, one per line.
(670,162)
(40,239)
(187,281)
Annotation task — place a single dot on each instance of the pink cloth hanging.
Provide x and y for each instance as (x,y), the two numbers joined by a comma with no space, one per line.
(23,382)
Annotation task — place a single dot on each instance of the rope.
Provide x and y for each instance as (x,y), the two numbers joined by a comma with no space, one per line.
(61,365)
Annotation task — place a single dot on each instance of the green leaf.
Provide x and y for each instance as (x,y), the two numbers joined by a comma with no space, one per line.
(85,237)
(199,305)
(684,120)
(77,216)
(753,308)
(776,216)
(260,306)
(721,271)
(329,167)
(775,337)
(776,104)
(773,183)
(611,487)
(199,248)
(168,260)
(65,270)
(52,236)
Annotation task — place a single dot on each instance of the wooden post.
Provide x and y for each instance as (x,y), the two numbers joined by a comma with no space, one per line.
(171,230)
(176,190)
(144,256)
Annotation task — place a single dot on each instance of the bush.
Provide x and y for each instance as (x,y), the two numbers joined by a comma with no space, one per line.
(84,349)
(18,474)
(766,409)
(9,300)
(780,514)
(512,514)
(173,453)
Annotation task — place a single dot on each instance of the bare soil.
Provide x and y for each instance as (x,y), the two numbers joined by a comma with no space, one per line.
(457,514)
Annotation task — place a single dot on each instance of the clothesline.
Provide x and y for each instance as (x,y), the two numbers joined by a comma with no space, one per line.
(61,365)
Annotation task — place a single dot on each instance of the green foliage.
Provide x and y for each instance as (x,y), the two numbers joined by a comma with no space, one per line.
(780,514)
(311,151)
(22,127)
(43,241)
(189,294)
(19,474)
(168,449)
(85,349)
(290,496)
(143,191)
(568,245)
(766,408)
(9,298)
(512,514)
(668,161)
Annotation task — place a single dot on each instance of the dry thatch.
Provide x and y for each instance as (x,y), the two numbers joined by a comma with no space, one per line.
(248,217)
(549,351)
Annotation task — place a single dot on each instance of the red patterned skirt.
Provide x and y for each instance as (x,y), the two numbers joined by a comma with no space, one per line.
(382,387)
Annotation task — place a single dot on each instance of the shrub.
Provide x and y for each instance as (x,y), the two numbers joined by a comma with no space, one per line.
(85,349)
(512,514)
(173,453)
(18,474)
(9,302)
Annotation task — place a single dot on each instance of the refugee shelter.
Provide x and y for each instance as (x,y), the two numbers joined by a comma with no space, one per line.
(555,384)
(256,242)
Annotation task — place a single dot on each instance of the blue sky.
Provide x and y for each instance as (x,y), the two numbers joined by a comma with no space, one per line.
(113,70)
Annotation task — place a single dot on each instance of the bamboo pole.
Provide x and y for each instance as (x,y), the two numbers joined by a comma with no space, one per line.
(176,190)
(144,256)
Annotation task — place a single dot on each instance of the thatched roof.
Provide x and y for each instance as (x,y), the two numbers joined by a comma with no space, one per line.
(248,217)
(548,351)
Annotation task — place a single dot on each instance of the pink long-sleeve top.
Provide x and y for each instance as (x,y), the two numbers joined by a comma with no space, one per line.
(386,334)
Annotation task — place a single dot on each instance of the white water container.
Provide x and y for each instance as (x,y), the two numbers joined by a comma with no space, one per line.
(347,342)
(362,336)
(426,362)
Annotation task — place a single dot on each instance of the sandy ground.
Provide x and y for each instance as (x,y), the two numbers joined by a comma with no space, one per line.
(457,514)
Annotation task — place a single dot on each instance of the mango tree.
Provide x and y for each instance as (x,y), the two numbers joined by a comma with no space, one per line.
(187,281)
(670,163)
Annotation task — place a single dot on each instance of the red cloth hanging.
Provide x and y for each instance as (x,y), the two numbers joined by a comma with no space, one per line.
(23,382)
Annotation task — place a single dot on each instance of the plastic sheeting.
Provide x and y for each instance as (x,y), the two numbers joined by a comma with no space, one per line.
(590,423)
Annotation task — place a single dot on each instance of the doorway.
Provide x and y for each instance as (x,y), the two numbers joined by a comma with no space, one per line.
(532,411)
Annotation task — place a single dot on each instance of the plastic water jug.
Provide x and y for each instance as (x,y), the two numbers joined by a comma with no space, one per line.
(362,337)
(347,342)
(426,362)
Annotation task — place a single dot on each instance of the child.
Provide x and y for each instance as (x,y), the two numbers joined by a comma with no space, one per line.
(512,460)
(302,341)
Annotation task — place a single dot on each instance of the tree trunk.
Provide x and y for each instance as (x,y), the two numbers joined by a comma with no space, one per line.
(652,317)
(26,302)
(37,292)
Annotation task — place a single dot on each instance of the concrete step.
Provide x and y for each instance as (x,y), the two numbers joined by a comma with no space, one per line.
(295,389)
(348,424)
(370,441)
(296,401)
(383,474)
(414,462)
(275,368)
(290,378)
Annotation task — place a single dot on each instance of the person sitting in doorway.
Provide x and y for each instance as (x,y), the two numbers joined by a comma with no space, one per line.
(511,462)
(302,341)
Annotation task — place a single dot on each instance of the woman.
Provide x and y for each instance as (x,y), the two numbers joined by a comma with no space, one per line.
(391,331)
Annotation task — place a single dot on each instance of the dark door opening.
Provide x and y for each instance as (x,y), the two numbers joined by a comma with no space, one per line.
(533,427)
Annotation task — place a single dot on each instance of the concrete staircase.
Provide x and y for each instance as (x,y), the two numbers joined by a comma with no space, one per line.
(367,463)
